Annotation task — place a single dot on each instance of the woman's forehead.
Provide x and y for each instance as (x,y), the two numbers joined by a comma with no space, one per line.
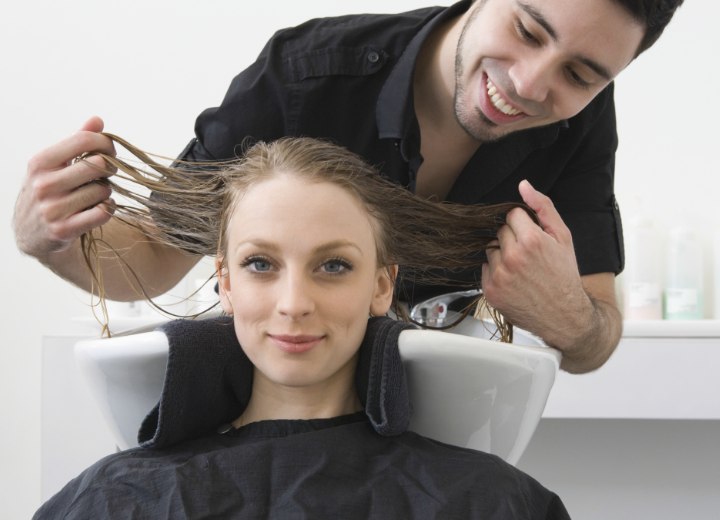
(289,206)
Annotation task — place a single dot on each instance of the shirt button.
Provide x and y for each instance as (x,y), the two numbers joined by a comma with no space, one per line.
(373,57)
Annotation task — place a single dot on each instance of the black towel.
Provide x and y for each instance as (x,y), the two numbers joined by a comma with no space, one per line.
(380,377)
(208,381)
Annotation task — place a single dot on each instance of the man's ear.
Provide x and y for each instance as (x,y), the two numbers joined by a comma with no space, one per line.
(223,279)
(384,289)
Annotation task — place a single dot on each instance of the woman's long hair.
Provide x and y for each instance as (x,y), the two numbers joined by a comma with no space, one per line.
(188,206)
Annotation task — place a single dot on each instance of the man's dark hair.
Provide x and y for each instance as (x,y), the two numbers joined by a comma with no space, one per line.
(654,15)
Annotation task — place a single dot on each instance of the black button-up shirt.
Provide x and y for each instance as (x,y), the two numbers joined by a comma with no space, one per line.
(348,79)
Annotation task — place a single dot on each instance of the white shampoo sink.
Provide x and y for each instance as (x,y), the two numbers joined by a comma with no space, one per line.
(464,390)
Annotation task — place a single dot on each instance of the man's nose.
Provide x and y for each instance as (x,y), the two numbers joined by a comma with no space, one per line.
(532,78)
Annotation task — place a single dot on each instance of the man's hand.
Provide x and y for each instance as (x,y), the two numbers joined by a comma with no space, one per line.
(59,201)
(533,279)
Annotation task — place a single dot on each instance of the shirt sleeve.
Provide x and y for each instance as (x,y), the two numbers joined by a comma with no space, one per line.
(253,109)
(584,193)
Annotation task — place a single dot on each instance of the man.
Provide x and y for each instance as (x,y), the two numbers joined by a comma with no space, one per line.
(481,102)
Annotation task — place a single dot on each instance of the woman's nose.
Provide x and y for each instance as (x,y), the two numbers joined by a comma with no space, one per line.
(295,298)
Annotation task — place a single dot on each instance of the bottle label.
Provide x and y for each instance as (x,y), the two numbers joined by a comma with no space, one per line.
(682,301)
(644,294)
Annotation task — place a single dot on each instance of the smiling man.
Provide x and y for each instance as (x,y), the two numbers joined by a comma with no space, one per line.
(519,66)
(480,102)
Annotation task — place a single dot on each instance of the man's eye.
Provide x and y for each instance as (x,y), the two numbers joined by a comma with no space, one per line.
(577,79)
(525,34)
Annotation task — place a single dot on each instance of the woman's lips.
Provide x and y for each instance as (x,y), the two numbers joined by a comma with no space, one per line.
(295,344)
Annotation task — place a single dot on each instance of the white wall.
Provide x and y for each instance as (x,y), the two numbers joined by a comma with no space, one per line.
(149,67)
(667,164)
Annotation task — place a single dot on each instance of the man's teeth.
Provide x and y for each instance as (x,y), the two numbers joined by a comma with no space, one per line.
(498,102)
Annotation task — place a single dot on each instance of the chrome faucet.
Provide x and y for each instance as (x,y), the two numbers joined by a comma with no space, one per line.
(435,311)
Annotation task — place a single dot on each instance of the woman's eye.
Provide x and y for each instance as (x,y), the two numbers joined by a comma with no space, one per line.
(257,265)
(336,266)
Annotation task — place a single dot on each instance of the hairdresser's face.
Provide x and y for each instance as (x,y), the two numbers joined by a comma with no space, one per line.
(301,280)
(529,63)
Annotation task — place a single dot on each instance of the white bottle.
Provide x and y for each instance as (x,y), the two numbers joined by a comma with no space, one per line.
(684,276)
(642,276)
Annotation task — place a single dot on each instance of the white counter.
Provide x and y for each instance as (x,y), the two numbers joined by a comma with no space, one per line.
(660,370)
(672,329)
(640,437)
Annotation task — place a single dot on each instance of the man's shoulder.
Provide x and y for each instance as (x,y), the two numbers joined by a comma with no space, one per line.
(381,29)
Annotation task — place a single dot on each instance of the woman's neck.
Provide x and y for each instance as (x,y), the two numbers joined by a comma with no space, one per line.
(270,401)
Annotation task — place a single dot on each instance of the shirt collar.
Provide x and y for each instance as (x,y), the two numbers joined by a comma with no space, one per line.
(394,109)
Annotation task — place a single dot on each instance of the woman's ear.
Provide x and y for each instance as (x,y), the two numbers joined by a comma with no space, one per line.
(384,289)
(223,279)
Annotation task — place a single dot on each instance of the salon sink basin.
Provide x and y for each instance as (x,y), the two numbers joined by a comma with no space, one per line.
(125,373)
(471,391)
(465,389)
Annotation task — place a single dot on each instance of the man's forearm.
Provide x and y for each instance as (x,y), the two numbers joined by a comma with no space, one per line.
(600,329)
(128,263)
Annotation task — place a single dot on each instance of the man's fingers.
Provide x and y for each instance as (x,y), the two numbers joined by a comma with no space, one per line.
(83,221)
(66,191)
(94,124)
(61,154)
(87,196)
(550,220)
(520,223)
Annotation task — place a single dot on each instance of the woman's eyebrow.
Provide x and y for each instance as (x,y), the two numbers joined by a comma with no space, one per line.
(257,242)
(338,244)
(323,248)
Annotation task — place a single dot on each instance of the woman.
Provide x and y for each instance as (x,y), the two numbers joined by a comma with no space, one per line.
(308,243)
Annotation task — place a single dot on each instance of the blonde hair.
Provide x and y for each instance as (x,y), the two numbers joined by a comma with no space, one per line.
(190,206)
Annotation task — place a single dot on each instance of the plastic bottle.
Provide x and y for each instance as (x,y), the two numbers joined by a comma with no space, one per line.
(642,276)
(684,276)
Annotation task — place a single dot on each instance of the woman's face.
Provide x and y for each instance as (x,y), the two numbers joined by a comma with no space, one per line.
(300,280)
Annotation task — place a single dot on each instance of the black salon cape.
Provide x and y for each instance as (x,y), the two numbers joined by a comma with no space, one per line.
(338,468)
